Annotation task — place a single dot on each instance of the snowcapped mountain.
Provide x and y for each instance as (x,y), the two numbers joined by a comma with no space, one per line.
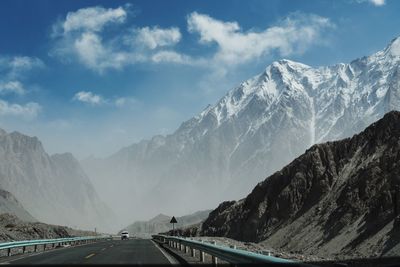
(54,189)
(254,130)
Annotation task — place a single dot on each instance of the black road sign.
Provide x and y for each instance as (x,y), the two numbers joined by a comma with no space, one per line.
(173,220)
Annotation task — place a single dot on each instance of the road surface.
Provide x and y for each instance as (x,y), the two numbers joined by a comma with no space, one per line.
(133,251)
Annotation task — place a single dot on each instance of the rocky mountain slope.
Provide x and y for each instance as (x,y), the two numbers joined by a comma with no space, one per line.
(256,129)
(338,198)
(12,229)
(54,189)
(160,223)
(9,204)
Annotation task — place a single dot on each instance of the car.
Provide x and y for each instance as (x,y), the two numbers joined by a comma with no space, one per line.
(124,235)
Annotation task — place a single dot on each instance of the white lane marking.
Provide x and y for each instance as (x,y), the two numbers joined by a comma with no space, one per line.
(111,246)
(33,254)
(169,258)
(90,255)
(103,249)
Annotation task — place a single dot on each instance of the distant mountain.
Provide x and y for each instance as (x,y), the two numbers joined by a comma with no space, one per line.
(54,189)
(161,223)
(9,204)
(338,198)
(254,130)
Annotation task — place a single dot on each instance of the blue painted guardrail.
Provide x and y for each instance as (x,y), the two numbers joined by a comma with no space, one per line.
(228,254)
(44,242)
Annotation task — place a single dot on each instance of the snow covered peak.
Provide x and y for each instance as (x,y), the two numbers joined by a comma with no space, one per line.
(394,48)
(386,58)
(288,86)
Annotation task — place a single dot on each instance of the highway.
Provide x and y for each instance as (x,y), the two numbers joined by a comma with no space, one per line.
(133,251)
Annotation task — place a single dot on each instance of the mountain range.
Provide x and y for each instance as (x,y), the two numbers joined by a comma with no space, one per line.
(161,223)
(52,189)
(254,130)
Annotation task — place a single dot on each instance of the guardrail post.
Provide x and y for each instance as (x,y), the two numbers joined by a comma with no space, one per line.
(23,249)
(201,256)
(201,253)
(35,249)
(9,252)
(44,247)
(214,259)
(192,252)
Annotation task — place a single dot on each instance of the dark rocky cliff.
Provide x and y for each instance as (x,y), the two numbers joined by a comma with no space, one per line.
(337,198)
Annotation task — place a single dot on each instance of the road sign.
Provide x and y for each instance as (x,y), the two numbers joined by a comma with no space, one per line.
(173,220)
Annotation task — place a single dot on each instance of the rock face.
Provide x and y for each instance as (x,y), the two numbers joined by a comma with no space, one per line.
(339,198)
(54,189)
(12,229)
(256,129)
(9,204)
(160,223)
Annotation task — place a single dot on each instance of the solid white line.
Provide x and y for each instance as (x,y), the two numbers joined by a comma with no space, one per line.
(169,258)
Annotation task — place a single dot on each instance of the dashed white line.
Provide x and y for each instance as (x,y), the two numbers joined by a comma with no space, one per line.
(90,255)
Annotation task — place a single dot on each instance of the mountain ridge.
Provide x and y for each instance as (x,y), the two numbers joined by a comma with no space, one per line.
(54,189)
(274,116)
(338,198)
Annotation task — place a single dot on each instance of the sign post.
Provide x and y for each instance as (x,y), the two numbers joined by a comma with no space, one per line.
(173,221)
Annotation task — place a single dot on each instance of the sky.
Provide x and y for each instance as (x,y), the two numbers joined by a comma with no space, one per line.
(90,77)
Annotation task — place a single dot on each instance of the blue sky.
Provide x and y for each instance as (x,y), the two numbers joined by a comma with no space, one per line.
(90,77)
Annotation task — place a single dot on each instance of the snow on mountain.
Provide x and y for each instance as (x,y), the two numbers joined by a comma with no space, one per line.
(256,129)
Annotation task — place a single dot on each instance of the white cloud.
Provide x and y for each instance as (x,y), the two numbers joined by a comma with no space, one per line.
(98,100)
(171,56)
(17,66)
(94,55)
(124,101)
(293,35)
(89,98)
(156,37)
(12,87)
(378,2)
(80,37)
(14,70)
(92,19)
(373,2)
(29,110)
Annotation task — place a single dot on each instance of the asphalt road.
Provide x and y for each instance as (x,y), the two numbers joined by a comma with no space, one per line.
(133,251)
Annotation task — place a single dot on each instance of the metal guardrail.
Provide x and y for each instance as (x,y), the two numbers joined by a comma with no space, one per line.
(60,241)
(228,254)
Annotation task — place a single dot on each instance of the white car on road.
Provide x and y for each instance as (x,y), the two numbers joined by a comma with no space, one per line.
(124,235)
